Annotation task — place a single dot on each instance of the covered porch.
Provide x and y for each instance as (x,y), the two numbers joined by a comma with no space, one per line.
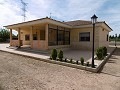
(35,36)
(42,36)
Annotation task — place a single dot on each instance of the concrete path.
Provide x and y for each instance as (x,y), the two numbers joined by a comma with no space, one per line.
(74,54)
(41,56)
(112,67)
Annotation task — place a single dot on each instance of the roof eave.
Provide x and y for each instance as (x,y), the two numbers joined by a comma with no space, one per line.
(38,21)
(90,25)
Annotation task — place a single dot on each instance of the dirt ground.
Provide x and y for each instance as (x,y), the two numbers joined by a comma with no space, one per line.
(22,73)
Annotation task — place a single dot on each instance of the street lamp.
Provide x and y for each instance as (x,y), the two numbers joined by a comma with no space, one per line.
(94,20)
(115,39)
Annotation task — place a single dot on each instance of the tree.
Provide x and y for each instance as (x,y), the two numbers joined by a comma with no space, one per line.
(119,36)
(113,37)
(4,34)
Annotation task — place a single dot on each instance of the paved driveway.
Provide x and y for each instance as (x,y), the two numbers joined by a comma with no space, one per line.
(74,54)
(71,53)
(112,67)
(77,54)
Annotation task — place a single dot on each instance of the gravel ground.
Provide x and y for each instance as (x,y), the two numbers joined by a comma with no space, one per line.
(22,73)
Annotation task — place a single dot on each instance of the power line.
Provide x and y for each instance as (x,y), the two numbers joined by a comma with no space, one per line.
(24,9)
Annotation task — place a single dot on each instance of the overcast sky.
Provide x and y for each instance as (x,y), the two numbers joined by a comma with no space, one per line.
(63,10)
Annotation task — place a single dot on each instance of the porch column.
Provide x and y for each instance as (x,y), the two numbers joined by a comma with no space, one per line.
(19,42)
(31,36)
(10,37)
(46,35)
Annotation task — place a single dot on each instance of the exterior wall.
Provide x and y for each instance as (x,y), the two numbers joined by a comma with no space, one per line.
(85,45)
(14,43)
(103,37)
(23,33)
(39,45)
(62,47)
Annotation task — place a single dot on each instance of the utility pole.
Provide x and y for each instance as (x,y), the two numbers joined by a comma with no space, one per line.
(24,9)
(50,15)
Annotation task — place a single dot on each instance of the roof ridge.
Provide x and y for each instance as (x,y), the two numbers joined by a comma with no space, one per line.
(79,20)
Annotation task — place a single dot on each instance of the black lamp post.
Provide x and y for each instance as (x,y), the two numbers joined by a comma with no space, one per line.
(115,39)
(94,20)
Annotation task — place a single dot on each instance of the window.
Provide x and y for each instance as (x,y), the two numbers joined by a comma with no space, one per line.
(67,37)
(60,37)
(52,37)
(34,36)
(84,36)
(107,37)
(42,35)
(27,37)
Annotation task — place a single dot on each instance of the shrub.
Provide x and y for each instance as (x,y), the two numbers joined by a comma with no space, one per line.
(82,60)
(54,54)
(71,60)
(87,64)
(2,40)
(77,62)
(104,51)
(99,53)
(65,59)
(60,55)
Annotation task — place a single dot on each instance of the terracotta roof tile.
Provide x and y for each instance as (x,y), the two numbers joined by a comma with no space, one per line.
(78,22)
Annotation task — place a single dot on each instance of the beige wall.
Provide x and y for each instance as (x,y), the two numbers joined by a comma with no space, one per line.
(26,31)
(100,38)
(23,33)
(103,37)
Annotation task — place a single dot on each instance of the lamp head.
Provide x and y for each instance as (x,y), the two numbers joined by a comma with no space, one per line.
(94,19)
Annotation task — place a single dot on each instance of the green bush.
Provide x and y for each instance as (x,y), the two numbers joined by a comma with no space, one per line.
(87,64)
(54,54)
(104,51)
(2,40)
(82,60)
(77,61)
(65,59)
(71,60)
(99,53)
(4,35)
(60,55)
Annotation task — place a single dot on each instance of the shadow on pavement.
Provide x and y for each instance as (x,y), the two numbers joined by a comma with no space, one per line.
(113,61)
(1,88)
(110,74)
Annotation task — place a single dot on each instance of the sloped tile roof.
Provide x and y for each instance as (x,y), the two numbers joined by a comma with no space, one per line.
(78,22)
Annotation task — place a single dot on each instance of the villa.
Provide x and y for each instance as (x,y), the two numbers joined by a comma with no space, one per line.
(47,33)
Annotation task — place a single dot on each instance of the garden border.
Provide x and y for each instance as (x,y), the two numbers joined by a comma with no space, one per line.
(70,64)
